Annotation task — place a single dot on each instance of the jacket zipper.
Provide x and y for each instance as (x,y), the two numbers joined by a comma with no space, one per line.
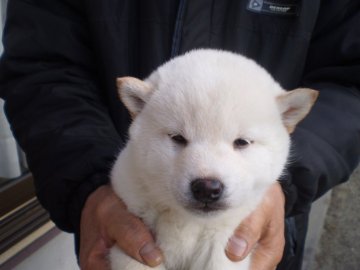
(176,40)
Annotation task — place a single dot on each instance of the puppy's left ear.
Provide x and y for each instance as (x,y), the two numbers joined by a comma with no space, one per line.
(295,105)
(134,93)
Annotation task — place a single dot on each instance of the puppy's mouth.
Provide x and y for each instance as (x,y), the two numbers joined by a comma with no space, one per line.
(205,208)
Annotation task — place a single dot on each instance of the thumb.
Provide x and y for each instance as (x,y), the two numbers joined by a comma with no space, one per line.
(245,237)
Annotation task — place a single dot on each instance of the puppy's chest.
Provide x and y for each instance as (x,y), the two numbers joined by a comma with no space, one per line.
(178,242)
(188,245)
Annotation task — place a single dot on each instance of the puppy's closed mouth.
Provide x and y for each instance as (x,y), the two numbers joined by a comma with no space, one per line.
(201,208)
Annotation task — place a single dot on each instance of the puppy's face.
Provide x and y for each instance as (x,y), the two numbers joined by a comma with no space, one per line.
(210,131)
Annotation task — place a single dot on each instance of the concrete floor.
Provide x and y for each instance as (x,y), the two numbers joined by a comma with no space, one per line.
(339,244)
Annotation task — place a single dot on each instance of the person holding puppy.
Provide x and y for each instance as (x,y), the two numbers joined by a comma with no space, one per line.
(57,76)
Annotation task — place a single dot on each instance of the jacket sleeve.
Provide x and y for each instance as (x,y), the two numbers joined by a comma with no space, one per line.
(55,105)
(326,145)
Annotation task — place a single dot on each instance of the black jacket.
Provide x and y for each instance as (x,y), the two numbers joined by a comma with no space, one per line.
(61,58)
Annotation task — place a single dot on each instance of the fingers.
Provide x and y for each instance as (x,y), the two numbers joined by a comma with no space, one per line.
(134,238)
(105,221)
(127,231)
(245,237)
(261,233)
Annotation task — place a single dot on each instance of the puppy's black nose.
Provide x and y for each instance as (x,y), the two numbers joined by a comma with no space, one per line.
(206,190)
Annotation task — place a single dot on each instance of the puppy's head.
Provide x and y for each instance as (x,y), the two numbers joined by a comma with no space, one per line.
(210,130)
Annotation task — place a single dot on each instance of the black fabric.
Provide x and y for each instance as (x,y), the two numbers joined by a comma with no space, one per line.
(61,58)
(295,234)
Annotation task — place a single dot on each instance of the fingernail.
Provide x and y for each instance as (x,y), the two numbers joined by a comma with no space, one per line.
(151,254)
(236,246)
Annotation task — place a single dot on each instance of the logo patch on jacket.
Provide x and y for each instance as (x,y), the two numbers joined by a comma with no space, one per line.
(272,7)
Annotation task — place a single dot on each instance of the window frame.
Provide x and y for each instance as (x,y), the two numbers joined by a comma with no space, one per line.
(20,211)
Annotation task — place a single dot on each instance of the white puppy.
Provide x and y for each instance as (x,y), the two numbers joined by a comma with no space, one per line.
(210,134)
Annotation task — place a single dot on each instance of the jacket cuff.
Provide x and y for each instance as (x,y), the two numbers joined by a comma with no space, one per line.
(290,193)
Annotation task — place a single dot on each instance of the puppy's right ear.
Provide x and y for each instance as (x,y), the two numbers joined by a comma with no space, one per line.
(295,105)
(134,93)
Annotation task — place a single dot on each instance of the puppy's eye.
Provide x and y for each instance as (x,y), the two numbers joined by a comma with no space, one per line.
(179,139)
(241,143)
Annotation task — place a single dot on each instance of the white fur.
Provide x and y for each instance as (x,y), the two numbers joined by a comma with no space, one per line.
(211,98)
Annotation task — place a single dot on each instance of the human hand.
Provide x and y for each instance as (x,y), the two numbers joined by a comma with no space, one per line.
(261,233)
(106,221)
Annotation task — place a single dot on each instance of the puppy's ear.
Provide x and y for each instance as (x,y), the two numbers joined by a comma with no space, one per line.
(295,105)
(134,93)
